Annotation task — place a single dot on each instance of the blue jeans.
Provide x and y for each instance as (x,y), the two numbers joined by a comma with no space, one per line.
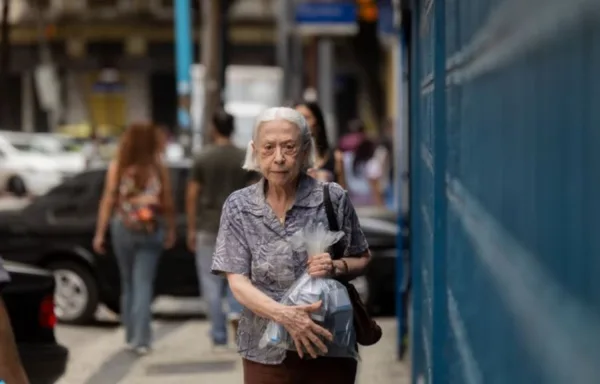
(137,255)
(213,288)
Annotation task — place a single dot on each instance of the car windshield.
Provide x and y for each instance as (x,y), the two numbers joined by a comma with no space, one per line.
(23,147)
(47,145)
(54,145)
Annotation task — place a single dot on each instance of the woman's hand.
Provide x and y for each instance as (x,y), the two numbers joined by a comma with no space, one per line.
(320,265)
(305,333)
(98,244)
(170,238)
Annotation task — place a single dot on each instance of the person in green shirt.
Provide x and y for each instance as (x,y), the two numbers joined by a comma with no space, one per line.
(216,173)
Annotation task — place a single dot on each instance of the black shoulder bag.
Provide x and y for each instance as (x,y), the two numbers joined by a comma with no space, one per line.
(368,332)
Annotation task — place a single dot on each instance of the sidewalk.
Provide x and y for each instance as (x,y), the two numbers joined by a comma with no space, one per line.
(185,358)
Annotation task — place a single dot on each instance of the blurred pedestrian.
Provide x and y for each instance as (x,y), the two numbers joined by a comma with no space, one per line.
(216,173)
(329,164)
(138,203)
(385,154)
(367,178)
(351,140)
(91,149)
(255,221)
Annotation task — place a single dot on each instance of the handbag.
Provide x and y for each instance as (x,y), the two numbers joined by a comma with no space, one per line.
(368,332)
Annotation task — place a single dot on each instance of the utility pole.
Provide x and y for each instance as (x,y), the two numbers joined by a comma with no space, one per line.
(211,60)
(225,45)
(4,56)
(183,53)
(284,52)
(46,75)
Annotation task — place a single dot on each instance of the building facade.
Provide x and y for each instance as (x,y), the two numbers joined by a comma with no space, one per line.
(115,58)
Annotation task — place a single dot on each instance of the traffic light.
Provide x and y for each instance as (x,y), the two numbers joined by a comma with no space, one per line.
(367,11)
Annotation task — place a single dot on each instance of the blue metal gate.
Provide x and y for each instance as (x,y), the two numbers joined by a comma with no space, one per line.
(505,194)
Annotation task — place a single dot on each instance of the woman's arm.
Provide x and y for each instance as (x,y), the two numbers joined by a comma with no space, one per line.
(253,299)
(339,168)
(295,319)
(167,198)
(108,199)
(374,173)
(377,192)
(356,255)
(233,257)
(353,266)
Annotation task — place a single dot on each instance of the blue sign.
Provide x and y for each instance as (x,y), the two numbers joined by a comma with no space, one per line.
(385,22)
(326,17)
(183,58)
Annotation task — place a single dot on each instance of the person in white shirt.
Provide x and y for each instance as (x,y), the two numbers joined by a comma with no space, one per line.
(366,175)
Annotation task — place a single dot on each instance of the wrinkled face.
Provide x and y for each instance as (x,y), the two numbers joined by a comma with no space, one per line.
(278,151)
(309,117)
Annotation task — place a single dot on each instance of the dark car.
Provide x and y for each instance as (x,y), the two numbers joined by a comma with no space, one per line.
(56,230)
(29,299)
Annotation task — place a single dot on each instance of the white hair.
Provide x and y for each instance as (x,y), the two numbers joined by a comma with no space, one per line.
(287,114)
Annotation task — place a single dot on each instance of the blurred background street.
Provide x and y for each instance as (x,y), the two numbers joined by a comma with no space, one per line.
(464,131)
(76,74)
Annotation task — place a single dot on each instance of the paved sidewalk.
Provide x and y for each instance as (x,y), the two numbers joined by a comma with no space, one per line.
(185,358)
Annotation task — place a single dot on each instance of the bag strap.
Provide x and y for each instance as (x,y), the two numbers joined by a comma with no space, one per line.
(337,248)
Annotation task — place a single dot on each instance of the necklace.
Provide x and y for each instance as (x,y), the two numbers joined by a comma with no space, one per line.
(287,208)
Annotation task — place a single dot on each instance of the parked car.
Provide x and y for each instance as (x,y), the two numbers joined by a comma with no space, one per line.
(29,299)
(63,151)
(56,230)
(23,172)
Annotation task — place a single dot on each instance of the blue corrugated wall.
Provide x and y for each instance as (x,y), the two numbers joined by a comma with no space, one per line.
(505,194)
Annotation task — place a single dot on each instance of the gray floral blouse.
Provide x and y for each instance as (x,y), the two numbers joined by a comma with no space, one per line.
(254,243)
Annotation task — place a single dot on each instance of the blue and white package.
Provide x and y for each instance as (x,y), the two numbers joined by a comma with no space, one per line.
(335,313)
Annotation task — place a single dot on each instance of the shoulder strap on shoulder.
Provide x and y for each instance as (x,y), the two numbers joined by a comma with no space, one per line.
(337,249)
(331,217)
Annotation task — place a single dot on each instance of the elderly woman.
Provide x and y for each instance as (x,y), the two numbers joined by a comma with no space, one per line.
(255,222)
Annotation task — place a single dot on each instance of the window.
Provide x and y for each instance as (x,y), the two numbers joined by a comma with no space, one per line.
(102,3)
(81,191)
(170,4)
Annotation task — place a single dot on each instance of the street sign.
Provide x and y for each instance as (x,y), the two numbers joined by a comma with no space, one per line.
(385,22)
(326,17)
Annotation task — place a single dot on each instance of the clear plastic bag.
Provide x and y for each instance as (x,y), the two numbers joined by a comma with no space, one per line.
(335,313)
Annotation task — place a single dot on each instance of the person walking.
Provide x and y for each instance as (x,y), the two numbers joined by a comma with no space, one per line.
(329,164)
(366,174)
(216,173)
(256,221)
(137,202)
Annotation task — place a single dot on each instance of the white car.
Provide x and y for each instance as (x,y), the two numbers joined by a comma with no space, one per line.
(23,172)
(64,152)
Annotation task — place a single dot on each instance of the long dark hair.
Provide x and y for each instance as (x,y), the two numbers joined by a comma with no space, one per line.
(320,135)
(363,153)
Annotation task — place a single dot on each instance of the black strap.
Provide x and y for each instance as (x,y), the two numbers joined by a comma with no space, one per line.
(337,249)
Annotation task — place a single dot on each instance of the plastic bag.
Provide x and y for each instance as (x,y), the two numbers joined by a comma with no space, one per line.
(335,313)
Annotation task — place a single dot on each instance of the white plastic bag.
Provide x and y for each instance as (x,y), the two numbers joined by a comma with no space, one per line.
(335,313)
